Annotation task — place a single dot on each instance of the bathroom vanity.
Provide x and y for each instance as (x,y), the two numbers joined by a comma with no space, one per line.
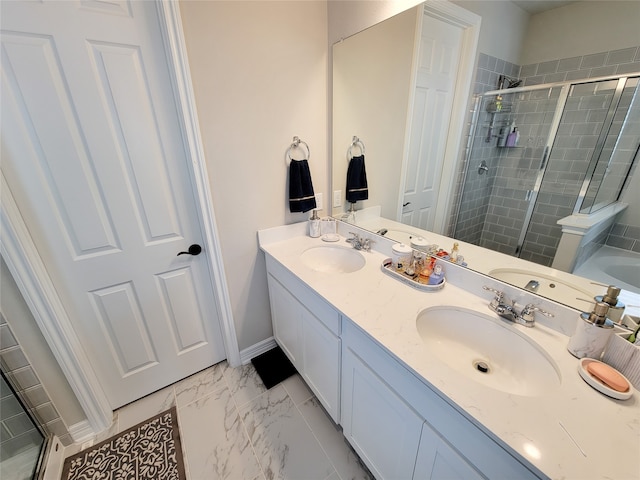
(386,367)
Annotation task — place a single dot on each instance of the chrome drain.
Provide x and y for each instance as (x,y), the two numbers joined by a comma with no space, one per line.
(482,367)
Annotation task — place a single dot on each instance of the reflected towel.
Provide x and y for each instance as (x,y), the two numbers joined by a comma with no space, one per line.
(301,196)
(357,188)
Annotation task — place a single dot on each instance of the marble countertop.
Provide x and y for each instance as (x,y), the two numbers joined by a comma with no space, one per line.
(571,432)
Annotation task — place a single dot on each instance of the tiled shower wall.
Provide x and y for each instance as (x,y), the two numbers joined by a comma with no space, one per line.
(477,189)
(23,378)
(491,196)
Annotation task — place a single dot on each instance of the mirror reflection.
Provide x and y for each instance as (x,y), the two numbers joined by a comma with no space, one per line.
(543,170)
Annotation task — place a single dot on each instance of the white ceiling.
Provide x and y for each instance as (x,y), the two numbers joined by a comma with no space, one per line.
(537,6)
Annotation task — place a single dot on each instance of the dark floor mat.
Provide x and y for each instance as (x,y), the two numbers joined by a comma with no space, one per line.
(273,367)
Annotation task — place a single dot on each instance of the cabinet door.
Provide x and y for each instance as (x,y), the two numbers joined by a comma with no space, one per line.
(285,313)
(381,427)
(437,460)
(321,362)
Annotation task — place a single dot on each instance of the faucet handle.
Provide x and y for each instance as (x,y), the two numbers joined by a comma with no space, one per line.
(529,310)
(498,299)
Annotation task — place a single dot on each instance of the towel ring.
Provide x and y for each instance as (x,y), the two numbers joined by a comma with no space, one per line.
(355,143)
(296,144)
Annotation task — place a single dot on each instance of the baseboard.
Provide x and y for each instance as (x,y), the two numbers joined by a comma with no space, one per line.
(254,350)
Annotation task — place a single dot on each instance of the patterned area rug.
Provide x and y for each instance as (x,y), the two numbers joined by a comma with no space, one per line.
(149,451)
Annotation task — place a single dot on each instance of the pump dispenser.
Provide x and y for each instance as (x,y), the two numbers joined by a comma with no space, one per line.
(616,308)
(314,225)
(592,334)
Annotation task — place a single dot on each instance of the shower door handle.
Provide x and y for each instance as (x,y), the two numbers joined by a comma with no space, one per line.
(545,156)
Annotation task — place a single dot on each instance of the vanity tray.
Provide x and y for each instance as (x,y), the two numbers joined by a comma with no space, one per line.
(387,267)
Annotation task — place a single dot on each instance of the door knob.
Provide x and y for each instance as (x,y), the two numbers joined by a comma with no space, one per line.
(194,249)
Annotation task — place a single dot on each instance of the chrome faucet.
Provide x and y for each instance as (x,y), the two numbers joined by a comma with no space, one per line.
(501,306)
(360,243)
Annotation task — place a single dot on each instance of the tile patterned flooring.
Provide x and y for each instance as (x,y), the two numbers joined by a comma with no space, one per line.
(232,427)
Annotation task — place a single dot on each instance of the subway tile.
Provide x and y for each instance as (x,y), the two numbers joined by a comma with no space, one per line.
(568,64)
(534,80)
(628,68)
(25,377)
(633,232)
(7,339)
(483,60)
(575,75)
(46,413)
(603,71)
(37,395)
(620,242)
(14,358)
(625,55)
(491,63)
(555,77)
(547,67)
(528,70)
(594,60)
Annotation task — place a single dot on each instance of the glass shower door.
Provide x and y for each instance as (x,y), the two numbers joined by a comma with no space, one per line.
(581,153)
(22,443)
(502,177)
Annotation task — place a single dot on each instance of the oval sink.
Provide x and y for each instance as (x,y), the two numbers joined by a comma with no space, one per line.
(487,350)
(333,259)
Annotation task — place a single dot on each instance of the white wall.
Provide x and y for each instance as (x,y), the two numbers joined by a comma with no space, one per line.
(259,71)
(580,29)
(504,25)
(347,17)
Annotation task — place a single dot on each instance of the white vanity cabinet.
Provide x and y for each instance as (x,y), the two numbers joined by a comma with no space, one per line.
(307,329)
(402,429)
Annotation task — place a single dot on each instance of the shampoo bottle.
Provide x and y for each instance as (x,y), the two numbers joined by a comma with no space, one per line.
(512,138)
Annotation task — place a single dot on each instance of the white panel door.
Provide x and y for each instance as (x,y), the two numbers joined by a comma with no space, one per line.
(93,153)
(438,57)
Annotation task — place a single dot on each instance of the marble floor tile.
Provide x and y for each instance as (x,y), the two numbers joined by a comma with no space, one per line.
(297,389)
(346,462)
(282,440)
(244,383)
(232,427)
(214,440)
(200,384)
(145,408)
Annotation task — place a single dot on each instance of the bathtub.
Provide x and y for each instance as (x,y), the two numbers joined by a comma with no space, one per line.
(613,266)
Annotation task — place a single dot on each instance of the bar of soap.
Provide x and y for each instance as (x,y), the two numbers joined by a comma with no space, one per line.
(609,376)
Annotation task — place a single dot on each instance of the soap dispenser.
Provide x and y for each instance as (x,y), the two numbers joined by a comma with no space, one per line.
(616,307)
(592,334)
(314,225)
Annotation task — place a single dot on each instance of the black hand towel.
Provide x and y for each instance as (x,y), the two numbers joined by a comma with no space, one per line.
(301,197)
(357,180)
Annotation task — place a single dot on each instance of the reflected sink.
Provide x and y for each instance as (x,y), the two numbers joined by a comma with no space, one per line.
(487,350)
(550,287)
(333,259)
